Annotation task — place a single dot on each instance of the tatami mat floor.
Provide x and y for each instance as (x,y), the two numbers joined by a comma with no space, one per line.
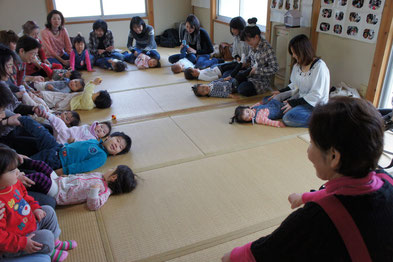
(204,186)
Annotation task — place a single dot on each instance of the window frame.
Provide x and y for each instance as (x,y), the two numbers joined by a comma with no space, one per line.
(225,19)
(51,4)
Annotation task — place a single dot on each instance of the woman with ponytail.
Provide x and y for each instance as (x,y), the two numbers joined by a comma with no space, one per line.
(263,62)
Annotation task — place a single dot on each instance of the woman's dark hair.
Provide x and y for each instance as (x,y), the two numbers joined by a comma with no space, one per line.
(125,181)
(354,128)
(29,26)
(7,37)
(109,125)
(194,22)
(237,117)
(8,159)
(103,100)
(78,39)
(6,96)
(126,138)
(188,74)
(5,55)
(75,75)
(137,20)
(100,24)
(27,43)
(302,47)
(251,30)
(49,18)
(237,23)
(76,119)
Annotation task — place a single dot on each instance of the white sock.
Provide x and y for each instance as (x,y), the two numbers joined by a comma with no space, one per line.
(54,188)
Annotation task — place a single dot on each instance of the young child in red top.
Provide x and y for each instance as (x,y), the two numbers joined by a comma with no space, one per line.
(26,227)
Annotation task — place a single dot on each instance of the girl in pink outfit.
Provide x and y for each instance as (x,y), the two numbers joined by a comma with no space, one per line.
(80,58)
(144,61)
(94,188)
(64,134)
(55,39)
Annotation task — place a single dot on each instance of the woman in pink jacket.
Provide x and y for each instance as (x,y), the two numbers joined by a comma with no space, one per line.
(55,39)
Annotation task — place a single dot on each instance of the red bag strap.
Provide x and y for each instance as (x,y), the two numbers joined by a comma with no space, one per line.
(346,227)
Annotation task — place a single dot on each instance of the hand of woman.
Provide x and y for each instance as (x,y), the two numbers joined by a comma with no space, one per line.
(27,182)
(191,50)
(274,93)
(226,257)
(110,48)
(66,63)
(295,199)
(101,51)
(253,70)
(13,120)
(286,107)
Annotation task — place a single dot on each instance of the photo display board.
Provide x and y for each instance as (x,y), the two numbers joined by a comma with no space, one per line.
(285,5)
(354,19)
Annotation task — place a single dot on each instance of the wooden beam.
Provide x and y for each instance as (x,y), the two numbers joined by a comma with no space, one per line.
(381,55)
(107,20)
(49,5)
(150,12)
(213,16)
(268,23)
(316,5)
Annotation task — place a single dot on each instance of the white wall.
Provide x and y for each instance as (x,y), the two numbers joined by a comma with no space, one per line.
(348,60)
(203,15)
(166,13)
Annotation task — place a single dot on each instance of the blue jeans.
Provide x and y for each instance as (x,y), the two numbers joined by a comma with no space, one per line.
(247,89)
(130,57)
(298,116)
(204,61)
(47,146)
(183,54)
(65,56)
(274,107)
(103,61)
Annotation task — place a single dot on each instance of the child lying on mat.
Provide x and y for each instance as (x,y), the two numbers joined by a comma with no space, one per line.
(217,88)
(63,86)
(86,100)
(144,61)
(213,73)
(263,113)
(64,134)
(63,74)
(94,188)
(181,65)
(78,157)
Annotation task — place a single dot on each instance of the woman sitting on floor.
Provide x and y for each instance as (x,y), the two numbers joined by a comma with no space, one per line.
(347,138)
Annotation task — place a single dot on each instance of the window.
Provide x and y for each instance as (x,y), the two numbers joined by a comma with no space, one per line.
(227,9)
(79,10)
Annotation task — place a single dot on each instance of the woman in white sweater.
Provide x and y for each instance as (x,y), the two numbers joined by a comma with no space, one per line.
(310,81)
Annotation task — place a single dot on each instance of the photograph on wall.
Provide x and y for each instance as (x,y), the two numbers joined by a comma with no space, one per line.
(354,19)
(285,5)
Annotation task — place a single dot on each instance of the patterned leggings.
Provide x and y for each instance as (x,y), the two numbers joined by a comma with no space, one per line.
(39,172)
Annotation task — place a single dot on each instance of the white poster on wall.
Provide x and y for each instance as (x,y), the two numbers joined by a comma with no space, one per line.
(354,19)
